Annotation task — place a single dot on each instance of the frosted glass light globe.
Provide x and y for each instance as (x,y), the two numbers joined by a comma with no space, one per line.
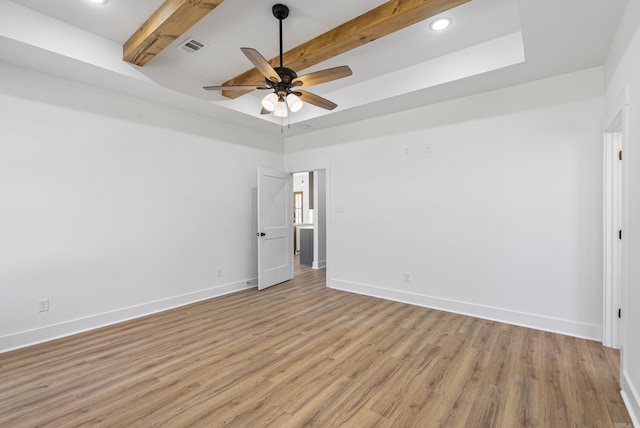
(294,102)
(269,102)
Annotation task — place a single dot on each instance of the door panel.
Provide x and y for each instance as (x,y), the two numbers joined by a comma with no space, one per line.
(275,227)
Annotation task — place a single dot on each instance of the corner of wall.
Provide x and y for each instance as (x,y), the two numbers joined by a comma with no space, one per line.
(628,27)
(631,399)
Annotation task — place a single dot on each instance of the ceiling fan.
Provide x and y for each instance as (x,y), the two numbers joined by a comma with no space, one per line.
(284,82)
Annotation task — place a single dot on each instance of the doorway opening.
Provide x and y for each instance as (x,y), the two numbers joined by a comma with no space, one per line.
(276,208)
(309,199)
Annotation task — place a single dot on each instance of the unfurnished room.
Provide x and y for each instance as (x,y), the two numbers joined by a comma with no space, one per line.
(404,213)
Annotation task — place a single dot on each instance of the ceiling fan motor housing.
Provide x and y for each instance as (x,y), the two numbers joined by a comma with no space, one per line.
(280,11)
(287,76)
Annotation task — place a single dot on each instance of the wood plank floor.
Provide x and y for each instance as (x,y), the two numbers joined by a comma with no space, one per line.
(300,354)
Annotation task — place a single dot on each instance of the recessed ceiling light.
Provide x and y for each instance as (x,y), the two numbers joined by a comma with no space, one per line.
(98,1)
(440,24)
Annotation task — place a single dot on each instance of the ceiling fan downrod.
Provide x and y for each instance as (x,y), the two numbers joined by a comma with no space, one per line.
(280,11)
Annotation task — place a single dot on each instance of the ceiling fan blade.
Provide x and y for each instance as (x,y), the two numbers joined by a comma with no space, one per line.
(316,100)
(261,64)
(323,76)
(234,88)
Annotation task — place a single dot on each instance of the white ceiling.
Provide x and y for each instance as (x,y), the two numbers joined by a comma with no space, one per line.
(491,44)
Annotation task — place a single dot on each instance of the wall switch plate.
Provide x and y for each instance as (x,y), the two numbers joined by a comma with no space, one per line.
(43,305)
(219,272)
(407,277)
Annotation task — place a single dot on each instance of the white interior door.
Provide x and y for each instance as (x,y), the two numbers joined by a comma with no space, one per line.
(275,227)
(613,235)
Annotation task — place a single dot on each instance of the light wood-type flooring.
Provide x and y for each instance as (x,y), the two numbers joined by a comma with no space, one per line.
(300,354)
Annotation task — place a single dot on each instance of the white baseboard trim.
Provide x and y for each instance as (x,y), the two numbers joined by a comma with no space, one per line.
(55,331)
(319,265)
(538,322)
(631,399)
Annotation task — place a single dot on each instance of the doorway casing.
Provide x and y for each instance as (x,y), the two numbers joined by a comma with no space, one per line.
(325,171)
(614,221)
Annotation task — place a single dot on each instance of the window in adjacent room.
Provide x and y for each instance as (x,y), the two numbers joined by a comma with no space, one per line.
(298,216)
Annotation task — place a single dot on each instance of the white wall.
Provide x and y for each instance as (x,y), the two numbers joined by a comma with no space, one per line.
(492,204)
(112,207)
(622,71)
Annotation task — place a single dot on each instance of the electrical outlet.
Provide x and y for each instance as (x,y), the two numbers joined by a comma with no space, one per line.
(219,272)
(407,277)
(43,305)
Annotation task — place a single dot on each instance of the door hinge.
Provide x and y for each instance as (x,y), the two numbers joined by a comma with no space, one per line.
(619,313)
(620,234)
(620,155)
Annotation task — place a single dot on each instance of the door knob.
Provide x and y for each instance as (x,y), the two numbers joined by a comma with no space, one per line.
(260,234)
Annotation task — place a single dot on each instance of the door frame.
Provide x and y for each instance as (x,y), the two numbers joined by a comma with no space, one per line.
(327,176)
(615,185)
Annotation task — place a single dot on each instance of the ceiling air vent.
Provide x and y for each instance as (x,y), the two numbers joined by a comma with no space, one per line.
(192,45)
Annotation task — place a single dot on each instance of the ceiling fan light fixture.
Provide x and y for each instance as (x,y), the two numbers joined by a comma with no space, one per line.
(269,101)
(281,109)
(294,102)
(440,24)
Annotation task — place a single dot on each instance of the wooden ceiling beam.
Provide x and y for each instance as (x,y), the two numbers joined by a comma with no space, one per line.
(167,23)
(374,24)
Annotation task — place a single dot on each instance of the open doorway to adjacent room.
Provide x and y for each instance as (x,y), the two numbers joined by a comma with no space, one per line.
(309,214)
